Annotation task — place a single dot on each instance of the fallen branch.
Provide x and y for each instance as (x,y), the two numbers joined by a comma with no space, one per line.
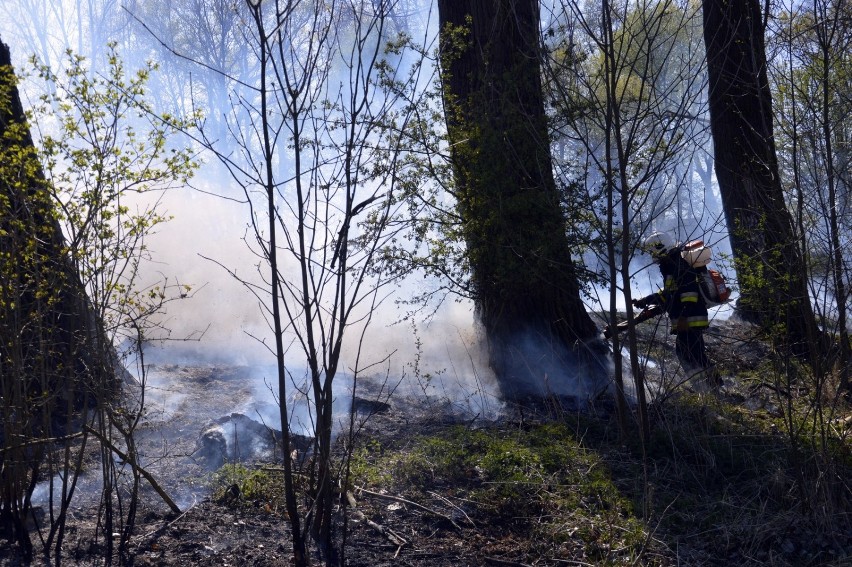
(409,503)
(394,537)
(145,474)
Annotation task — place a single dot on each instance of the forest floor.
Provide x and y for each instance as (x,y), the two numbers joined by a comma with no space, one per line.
(717,484)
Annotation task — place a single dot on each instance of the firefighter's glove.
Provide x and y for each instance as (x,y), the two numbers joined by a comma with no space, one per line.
(640,303)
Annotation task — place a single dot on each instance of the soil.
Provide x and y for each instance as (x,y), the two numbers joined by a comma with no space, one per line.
(227,528)
(231,529)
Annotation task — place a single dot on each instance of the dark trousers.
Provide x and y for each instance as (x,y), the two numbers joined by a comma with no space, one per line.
(690,349)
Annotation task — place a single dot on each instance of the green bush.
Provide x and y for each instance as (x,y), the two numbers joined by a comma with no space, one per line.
(236,482)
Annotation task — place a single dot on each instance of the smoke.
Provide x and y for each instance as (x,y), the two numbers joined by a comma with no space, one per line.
(205,246)
(222,321)
(219,320)
(536,365)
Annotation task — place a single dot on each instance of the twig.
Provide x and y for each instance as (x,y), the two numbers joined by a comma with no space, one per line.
(41,441)
(449,503)
(394,537)
(845,421)
(498,561)
(166,498)
(167,525)
(409,503)
(768,386)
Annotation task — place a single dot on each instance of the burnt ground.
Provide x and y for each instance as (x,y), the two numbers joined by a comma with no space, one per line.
(406,518)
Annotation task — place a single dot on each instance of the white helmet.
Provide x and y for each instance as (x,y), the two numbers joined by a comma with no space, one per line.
(659,244)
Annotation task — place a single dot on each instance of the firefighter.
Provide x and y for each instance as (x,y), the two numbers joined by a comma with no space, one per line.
(681,298)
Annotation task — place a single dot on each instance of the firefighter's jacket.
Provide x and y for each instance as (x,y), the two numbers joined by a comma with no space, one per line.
(680,295)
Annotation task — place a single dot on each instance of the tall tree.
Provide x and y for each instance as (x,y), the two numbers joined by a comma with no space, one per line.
(26,241)
(203,54)
(73,222)
(47,328)
(770,265)
(525,282)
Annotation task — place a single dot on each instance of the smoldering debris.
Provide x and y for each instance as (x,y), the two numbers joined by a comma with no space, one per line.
(364,406)
(238,438)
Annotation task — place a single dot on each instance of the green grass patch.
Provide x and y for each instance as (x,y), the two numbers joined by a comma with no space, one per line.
(537,481)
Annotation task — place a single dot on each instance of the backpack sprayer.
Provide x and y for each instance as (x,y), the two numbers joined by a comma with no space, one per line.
(712,285)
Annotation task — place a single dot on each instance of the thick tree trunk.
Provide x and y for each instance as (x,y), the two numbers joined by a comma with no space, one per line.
(42,271)
(525,282)
(51,345)
(771,269)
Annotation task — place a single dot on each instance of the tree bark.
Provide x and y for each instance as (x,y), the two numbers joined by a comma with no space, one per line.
(26,326)
(524,280)
(771,269)
(50,354)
